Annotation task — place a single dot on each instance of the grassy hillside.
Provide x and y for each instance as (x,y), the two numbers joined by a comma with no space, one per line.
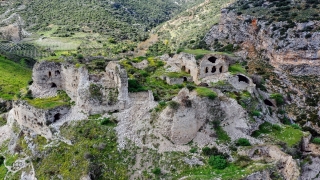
(187,29)
(13,77)
(120,19)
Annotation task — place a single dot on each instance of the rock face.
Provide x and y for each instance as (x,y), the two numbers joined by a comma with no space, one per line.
(294,53)
(286,165)
(191,121)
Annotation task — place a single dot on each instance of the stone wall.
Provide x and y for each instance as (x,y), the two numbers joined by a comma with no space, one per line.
(213,65)
(37,120)
(48,77)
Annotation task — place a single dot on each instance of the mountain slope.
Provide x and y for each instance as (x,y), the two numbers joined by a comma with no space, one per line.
(121,19)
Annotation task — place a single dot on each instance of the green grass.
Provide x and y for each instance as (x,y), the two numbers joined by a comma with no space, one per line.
(230,172)
(222,135)
(197,51)
(11,159)
(61,99)
(13,77)
(206,92)
(288,134)
(237,68)
(94,150)
(3,171)
(177,74)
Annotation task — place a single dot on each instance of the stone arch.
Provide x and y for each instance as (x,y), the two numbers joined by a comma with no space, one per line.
(268,102)
(56,117)
(212,59)
(49,74)
(53,85)
(57,72)
(221,69)
(206,70)
(214,69)
(243,79)
(183,68)
(189,71)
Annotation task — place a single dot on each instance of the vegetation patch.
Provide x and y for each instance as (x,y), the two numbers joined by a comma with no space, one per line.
(13,77)
(206,92)
(243,142)
(94,151)
(287,134)
(237,68)
(2,121)
(62,99)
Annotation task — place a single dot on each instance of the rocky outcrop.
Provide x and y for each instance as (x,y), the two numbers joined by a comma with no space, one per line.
(5,106)
(293,52)
(285,164)
(192,120)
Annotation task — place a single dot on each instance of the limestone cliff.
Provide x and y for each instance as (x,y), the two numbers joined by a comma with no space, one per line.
(295,52)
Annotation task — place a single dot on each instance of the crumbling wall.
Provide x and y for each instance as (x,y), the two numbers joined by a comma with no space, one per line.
(213,65)
(92,93)
(37,119)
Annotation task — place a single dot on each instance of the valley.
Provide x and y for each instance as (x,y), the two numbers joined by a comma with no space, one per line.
(174,89)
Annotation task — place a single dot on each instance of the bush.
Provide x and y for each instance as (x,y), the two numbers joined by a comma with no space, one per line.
(1,160)
(218,162)
(193,150)
(316,140)
(135,86)
(80,56)
(190,87)
(106,121)
(156,171)
(295,126)
(243,142)
(279,98)
(173,105)
(199,56)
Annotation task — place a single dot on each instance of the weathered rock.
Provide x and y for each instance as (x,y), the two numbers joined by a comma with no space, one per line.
(286,165)
(141,65)
(293,53)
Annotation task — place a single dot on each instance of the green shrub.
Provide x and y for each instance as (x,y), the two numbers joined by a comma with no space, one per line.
(1,160)
(256,113)
(296,126)
(80,56)
(173,105)
(95,91)
(206,92)
(193,150)
(190,87)
(135,86)
(279,98)
(237,68)
(199,56)
(218,162)
(243,142)
(316,140)
(156,171)
(106,121)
